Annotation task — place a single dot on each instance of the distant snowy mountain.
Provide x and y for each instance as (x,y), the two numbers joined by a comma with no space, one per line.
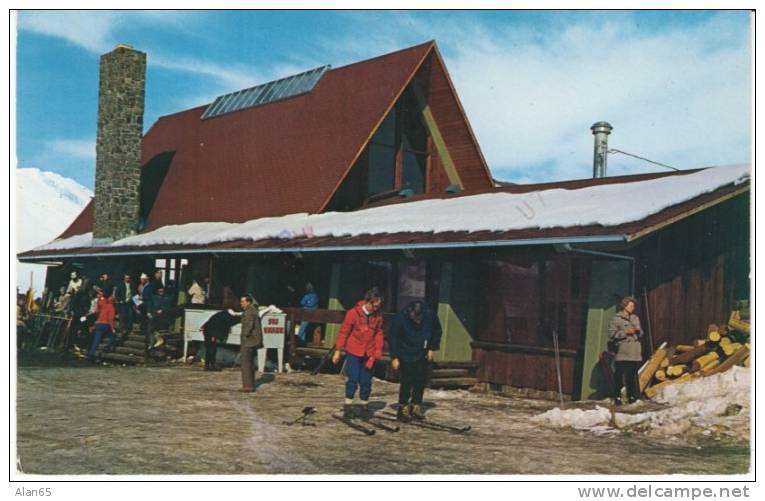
(46,204)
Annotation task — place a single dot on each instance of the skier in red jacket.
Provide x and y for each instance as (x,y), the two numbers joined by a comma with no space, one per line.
(361,338)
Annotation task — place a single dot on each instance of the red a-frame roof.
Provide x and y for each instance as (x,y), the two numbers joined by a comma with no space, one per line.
(288,156)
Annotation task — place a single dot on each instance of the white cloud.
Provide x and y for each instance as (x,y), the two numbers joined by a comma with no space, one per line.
(90,30)
(96,32)
(235,77)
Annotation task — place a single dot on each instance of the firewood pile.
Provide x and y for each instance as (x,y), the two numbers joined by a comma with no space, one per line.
(721,348)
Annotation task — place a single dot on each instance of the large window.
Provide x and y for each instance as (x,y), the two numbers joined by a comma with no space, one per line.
(397,154)
(525,299)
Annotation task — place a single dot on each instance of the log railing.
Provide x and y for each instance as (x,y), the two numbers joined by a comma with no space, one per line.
(523,348)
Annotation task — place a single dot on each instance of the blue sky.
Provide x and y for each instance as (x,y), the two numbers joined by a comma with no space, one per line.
(675,85)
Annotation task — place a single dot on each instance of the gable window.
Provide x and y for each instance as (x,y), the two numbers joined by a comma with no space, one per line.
(397,154)
(382,157)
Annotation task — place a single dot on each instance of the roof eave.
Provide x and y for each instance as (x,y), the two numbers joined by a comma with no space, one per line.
(695,210)
(582,239)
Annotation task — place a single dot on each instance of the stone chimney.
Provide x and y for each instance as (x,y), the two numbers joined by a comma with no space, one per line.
(118,144)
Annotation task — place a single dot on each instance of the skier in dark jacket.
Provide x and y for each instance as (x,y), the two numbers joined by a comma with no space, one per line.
(415,334)
(216,331)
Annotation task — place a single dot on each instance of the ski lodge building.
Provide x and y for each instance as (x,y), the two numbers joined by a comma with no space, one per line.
(369,174)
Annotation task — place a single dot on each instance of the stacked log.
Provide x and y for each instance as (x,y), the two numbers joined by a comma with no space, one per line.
(653,366)
(721,347)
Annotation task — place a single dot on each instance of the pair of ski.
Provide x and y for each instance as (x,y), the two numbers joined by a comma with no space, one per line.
(367,426)
(428,424)
(375,422)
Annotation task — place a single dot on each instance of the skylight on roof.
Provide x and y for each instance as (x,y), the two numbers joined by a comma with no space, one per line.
(268,92)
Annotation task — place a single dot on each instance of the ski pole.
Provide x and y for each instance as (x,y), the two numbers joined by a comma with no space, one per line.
(327,356)
(648,319)
(557,366)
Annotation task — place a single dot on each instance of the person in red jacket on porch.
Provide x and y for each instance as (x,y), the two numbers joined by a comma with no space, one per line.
(361,338)
(104,322)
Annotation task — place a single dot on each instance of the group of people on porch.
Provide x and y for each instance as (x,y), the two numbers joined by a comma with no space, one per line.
(104,309)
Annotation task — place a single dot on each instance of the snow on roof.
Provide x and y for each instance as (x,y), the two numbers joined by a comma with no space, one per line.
(605,205)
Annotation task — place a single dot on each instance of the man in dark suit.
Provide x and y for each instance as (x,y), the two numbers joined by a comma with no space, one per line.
(251,339)
(216,331)
(123,295)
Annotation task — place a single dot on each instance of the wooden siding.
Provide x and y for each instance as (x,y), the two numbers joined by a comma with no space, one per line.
(453,124)
(694,269)
(522,368)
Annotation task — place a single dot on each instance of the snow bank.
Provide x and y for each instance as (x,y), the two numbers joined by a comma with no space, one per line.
(575,418)
(606,205)
(717,404)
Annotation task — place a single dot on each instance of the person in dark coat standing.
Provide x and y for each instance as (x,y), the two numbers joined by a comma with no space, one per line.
(216,331)
(105,284)
(161,316)
(123,295)
(251,339)
(415,334)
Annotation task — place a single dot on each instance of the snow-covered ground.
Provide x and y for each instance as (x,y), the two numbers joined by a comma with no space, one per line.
(717,405)
(46,204)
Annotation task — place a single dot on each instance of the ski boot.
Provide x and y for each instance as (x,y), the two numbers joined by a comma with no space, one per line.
(418,413)
(363,411)
(348,410)
(404,413)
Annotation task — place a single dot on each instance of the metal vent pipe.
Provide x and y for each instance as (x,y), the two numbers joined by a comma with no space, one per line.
(600,130)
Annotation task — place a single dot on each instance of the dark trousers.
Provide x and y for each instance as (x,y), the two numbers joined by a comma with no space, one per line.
(358,377)
(626,374)
(126,317)
(413,377)
(145,324)
(248,371)
(211,349)
(153,324)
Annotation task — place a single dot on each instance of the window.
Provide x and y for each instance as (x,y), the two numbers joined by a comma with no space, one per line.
(397,155)
(510,300)
(524,299)
(413,173)
(381,178)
